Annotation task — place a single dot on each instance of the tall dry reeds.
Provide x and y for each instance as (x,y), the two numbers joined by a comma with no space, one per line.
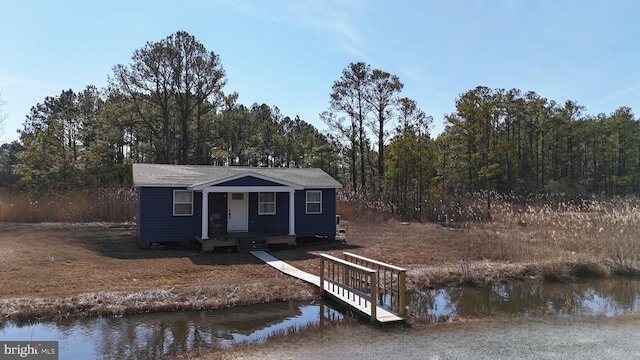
(537,237)
(86,205)
(362,206)
(586,238)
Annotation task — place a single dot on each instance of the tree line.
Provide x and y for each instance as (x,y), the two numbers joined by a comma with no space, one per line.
(512,141)
(169,106)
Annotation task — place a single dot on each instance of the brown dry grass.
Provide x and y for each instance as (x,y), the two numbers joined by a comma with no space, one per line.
(559,242)
(58,270)
(113,205)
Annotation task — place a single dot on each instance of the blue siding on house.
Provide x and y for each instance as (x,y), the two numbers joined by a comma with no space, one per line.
(316,224)
(269,223)
(248,181)
(156,222)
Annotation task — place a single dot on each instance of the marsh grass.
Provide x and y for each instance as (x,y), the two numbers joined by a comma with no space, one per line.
(592,238)
(561,241)
(352,207)
(533,239)
(118,303)
(87,205)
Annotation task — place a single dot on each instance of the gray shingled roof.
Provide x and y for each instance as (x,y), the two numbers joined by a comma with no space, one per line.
(192,175)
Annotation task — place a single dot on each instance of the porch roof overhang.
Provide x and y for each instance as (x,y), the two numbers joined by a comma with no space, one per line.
(216,183)
(243,189)
(213,188)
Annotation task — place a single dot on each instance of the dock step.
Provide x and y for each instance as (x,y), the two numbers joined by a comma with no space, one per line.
(246,245)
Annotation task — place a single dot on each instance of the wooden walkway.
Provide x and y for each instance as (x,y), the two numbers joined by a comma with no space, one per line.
(286,268)
(349,298)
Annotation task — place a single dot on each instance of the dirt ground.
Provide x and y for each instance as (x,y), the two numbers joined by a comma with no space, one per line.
(58,270)
(62,259)
(61,269)
(50,260)
(54,270)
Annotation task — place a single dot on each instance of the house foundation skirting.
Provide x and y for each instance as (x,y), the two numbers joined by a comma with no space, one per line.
(235,241)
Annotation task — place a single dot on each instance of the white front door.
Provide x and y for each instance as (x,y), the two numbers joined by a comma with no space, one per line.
(237,212)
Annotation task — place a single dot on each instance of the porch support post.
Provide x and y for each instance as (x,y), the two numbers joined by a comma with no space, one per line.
(292,212)
(205,214)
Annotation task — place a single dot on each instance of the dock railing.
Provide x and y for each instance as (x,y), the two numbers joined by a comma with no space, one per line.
(351,280)
(391,281)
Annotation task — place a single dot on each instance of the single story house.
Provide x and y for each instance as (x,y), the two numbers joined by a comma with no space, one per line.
(220,204)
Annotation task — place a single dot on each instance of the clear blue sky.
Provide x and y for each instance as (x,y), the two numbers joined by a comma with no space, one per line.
(288,53)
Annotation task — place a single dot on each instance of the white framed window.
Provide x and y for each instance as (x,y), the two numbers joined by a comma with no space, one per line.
(266,203)
(314,202)
(182,203)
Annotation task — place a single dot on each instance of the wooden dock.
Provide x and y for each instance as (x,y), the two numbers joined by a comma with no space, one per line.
(337,291)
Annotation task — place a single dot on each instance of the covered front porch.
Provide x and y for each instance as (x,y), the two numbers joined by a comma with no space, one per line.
(251,217)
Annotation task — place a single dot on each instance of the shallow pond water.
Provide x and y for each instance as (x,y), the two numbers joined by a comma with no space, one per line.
(592,297)
(159,335)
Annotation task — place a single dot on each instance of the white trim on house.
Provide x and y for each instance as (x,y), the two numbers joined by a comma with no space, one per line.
(228,189)
(267,204)
(246,189)
(307,202)
(238,212)
(176,202)
(201,186)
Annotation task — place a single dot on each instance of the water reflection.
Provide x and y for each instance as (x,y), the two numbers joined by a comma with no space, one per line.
(159,335)
(596,297)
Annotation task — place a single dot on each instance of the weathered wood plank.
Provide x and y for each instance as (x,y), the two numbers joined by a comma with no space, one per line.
(351,299)
(357,302)
(286,268)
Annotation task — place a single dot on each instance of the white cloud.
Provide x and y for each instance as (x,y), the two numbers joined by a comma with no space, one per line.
(337,19)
